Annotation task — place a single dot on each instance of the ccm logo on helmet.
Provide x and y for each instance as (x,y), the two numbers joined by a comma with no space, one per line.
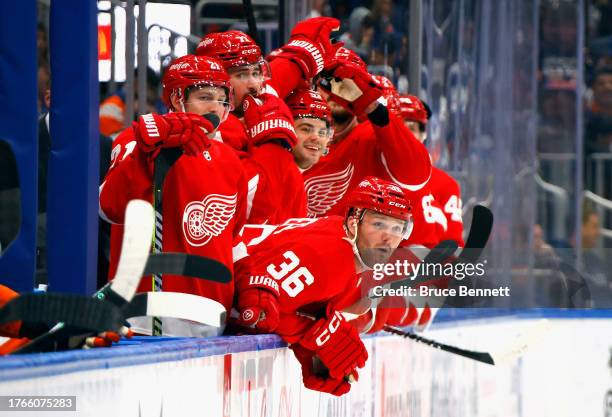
(393,203)
(205,42)
(180,66)
(317,106)
(333,325)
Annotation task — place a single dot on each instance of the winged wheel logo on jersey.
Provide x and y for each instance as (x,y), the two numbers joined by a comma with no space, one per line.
(203,220)
(325,191)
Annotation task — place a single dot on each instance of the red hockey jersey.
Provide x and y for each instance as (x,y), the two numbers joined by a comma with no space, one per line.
(429,222)
(390,152)
(286,77)
(447,193)
(276,187)
(312,263)
(204,209)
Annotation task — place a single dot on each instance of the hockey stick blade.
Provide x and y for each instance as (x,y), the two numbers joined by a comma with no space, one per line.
(139,225)
(521,343)
(132,261)
(480,230)
(188,265)
(529,337)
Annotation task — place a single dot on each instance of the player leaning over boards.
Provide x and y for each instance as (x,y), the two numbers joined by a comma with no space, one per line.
(433,222)
(380,146)
(205,190)
(303,269)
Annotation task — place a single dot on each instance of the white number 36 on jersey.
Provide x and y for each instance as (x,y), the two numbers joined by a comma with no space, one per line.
(293,275)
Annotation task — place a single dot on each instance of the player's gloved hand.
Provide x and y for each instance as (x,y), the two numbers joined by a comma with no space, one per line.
(258,305)
(185,130)
(106,339)
(316,377)
(310,46)
(393,311)
(267,118)
(336,342)
(351,86)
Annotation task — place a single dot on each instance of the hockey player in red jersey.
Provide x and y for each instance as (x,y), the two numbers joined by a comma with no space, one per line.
(429,222)
(444,189)
(276,184)
(276,187)
(204,191)
(276,190)
(293,65)
(312,119)
(380,146)
(303,269)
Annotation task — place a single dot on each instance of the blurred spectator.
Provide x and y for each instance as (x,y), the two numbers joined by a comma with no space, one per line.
(113,108)
(559,28)
(556,131)
(602,92)
(387,33)
(360,34)
(319,8)
(598,127)
(591,285)
(545,256)
(598,134)
(42,43)
(43,78)
(595,270)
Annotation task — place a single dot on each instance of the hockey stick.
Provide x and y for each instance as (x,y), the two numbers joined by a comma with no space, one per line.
(249,15)
(188,265)
(515,349)
(480,230)
(163,162)
(134,254)
(177,305)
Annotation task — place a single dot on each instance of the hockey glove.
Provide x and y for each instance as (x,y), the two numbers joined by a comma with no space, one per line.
(350,86)
(185,130)
(258,304)
(316,377)
(336,342)
(267,118)
(310,46)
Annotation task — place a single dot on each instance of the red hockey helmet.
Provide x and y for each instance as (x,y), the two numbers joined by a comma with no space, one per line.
(381,196)
(233,48)
(308,103)
(413,109)
(191,70)
(346,55)
(389,93)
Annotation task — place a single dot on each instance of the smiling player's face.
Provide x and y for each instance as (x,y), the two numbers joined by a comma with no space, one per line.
(313,136)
